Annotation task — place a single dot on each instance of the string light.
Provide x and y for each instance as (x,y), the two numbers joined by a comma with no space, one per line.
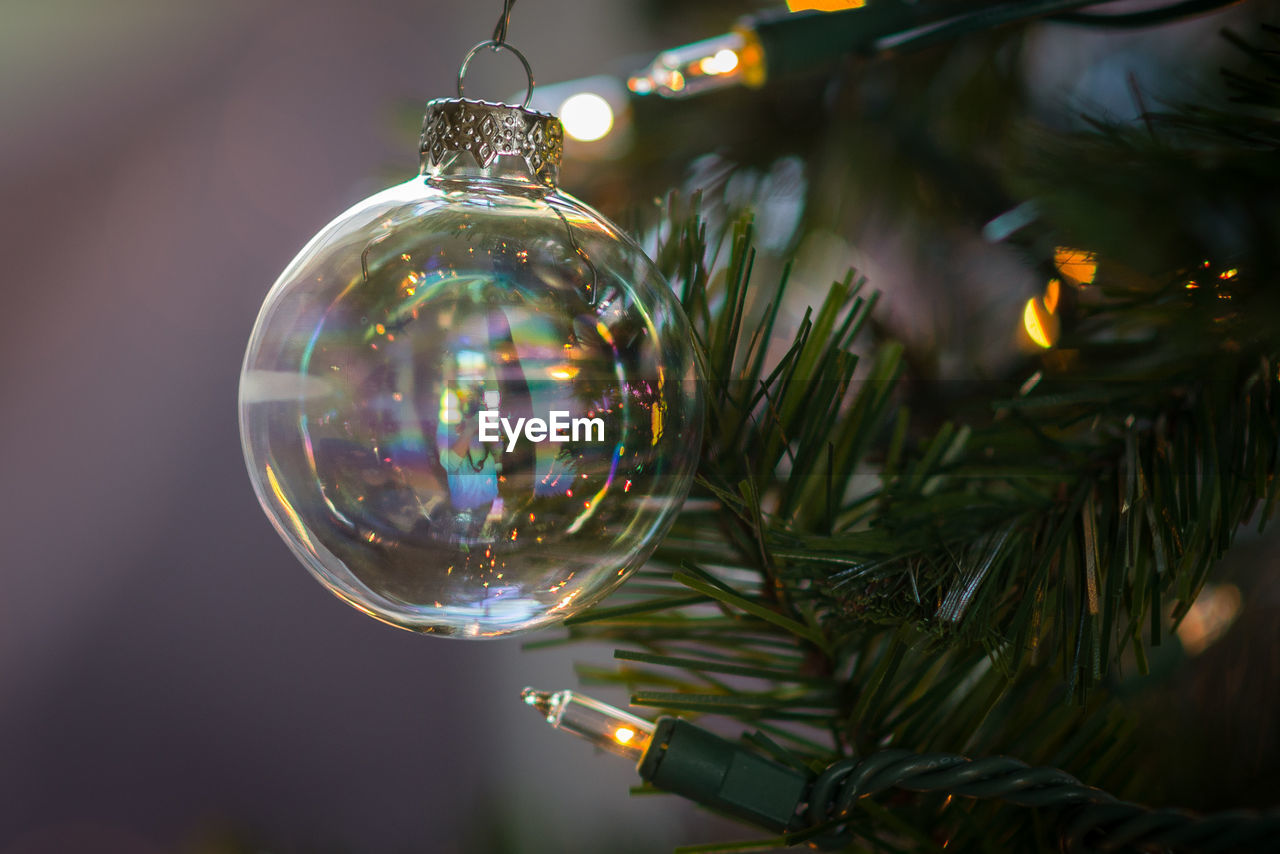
(813,34)
(675,756)
(1077,265)
(603,725)
(1215,609)
(824,5)
(733,59)
(1052,293)
(1040,324)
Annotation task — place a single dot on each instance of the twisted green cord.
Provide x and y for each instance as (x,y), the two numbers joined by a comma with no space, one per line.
(1101,823)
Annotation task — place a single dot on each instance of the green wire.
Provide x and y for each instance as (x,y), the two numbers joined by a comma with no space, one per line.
(1146,18)
(803,41)
(981,20)
(1099,821)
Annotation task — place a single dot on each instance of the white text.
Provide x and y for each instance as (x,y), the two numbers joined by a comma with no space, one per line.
(558,427)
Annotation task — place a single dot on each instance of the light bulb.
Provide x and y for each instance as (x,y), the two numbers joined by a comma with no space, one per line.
(603,725)
(732,59)
(675,756)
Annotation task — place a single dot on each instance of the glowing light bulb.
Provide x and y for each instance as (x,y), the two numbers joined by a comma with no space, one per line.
(603,725)
(586,116)
(675,756)
(732,59)
(1215,609)
(1076,264)
(562,372)
(1041,325)
(722,62)
(824,5)
(1052,293)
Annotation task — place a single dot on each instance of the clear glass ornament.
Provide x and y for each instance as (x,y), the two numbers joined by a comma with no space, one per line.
(470,405)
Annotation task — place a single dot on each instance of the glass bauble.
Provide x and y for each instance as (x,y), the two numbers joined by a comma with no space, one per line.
(470,405)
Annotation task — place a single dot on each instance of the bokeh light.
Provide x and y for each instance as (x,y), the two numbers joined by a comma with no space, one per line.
(586,116)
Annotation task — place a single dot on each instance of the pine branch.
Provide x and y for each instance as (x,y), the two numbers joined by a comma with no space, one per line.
(1074,524)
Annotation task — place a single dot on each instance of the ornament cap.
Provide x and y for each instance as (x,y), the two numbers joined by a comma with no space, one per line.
(459,134)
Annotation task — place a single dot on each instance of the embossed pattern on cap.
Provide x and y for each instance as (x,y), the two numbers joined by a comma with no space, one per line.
(488,131)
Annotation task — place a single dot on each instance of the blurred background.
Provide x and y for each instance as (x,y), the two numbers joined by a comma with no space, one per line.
(170,678)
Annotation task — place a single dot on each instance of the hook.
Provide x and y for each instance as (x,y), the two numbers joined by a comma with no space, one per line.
(500,31)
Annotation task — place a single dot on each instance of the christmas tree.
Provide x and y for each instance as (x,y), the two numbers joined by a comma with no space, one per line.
(912,538)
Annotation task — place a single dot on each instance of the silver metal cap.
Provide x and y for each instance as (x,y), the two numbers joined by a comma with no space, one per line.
(487,132)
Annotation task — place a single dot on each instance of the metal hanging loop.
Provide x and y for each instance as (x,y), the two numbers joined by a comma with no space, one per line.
(497,43)
(496,46)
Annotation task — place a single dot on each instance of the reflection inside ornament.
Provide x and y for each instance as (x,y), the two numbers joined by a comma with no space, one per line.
(412,454)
